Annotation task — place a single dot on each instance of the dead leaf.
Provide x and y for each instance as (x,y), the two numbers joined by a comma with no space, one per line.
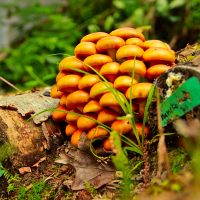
(31,103)
(87,169)
(24,170)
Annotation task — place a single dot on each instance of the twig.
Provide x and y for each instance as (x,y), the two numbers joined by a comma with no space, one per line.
(163,159)
(10,84)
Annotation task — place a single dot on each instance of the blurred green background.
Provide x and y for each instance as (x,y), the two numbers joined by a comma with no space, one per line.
(35,35)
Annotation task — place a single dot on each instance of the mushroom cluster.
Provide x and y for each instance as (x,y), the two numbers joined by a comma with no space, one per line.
(114,56)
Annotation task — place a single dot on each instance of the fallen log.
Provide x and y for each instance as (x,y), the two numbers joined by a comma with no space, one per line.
(26,140)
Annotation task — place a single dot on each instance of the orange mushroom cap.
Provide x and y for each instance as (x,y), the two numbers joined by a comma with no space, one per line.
(99,89)
(96,133)
(109,44)
(68,63)
(71,116)
(122,83)
(129,51)
(96,61)
(59,114)
(76,136)
(85,49)
(94,37)
(156,70)
(138,66)
(156,53)
(155,43)
(135,41)
(109,100)
(127,32)
(63,99)
(107,116)
(55,93)
(107,144)
(68,83)
(87,81)
(85,123)
(139,90)
(121,126)
(60,75)
(92,106)
(110,70)
(70,129)
(139,129)
(77,98)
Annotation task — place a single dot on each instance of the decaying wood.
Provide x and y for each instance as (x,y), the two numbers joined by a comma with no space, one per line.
(30,139)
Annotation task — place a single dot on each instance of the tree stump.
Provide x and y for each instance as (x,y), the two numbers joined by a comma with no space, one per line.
(26,141)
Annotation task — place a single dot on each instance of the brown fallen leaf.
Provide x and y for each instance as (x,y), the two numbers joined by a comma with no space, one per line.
(30,104)
(24,170)
(88,169)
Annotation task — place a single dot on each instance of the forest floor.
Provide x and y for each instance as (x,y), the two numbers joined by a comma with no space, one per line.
(53,178)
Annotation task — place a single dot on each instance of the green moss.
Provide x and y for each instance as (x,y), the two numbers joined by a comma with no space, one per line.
(178,158)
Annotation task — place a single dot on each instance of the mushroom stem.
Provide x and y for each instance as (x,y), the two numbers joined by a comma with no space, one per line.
(112,53)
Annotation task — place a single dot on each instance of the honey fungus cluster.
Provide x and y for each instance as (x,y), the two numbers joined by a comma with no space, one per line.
(115,56)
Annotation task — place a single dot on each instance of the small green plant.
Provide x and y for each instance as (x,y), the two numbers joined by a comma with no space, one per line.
(90,189)
(36,190)
(12,180)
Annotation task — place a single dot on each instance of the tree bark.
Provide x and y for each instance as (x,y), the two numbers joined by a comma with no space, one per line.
(28,140)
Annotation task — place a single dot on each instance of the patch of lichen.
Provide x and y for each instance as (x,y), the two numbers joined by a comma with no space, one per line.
(188,54)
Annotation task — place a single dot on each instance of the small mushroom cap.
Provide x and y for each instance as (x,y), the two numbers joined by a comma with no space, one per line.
(156,70)
(139,67)
(96,133)
(109,100)
(68,63)
(55,93)
(68,83)
(76,136)
(110,70)
(122,83)
(107,144)
(96,61)
(87,81)
(63,99)
(59,114)
(156,53)
(77,98)
(70,129)
(139,90)
(71,116)
(155,43)
(92,106)
(107,116)
(60,75)
(85,122)
(109,42)
(85,49)
(135,41)
(127,32)
(139,129)
(94,37)
(129,51)
(98,89)
(121,126)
